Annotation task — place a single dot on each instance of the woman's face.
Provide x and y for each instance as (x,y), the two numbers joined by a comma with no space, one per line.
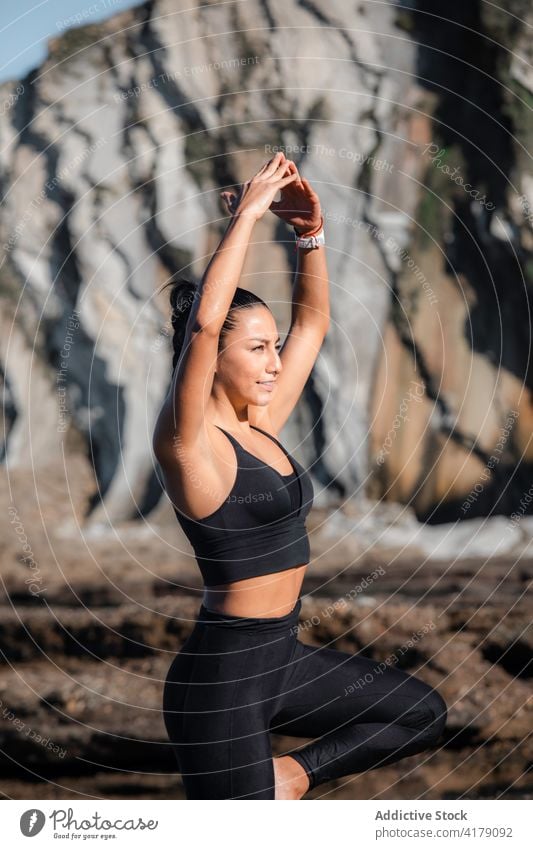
(250,357)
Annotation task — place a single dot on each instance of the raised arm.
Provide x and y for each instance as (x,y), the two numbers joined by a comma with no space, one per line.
(184,410)
(300,207)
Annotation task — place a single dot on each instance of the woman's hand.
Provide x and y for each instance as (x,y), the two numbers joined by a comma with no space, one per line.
(299,205)
(255,196)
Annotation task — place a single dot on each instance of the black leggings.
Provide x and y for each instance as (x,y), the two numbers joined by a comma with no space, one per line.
(237,679)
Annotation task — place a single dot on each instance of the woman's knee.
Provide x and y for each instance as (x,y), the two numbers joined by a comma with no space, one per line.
(438,712)
(428,712)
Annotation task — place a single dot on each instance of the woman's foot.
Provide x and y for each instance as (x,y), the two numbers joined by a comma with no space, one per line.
(292,781)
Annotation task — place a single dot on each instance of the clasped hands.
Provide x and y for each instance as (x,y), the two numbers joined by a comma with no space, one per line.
(299,204)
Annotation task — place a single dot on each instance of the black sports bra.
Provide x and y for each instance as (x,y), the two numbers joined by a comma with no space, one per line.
(260,526)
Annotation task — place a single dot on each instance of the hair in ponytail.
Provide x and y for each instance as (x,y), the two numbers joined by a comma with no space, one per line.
(182,297)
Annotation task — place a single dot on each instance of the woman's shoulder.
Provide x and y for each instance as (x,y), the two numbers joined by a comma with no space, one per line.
(196,475)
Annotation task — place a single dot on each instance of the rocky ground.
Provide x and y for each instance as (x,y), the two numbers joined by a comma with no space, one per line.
(85,651)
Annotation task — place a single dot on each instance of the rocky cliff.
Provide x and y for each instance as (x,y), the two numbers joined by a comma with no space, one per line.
(113,153)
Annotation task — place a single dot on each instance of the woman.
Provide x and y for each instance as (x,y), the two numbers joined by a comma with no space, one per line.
(242,500)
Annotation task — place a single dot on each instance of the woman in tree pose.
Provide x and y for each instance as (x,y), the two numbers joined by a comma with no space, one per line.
(242,501)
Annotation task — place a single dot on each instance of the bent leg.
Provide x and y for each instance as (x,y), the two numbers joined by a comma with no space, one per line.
(366,714)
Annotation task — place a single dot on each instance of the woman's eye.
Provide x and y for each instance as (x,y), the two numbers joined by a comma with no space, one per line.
(258,347)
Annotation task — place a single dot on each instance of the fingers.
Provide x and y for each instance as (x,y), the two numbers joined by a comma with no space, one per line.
(270,167)
(292,167)
(285,180)
(281,169)
(284,166)
(300,183)
(278,165)
(307,187)
(229,199)
(296,169)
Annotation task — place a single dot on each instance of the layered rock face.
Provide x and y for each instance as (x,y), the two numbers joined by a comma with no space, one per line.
(113,153)
(412,121)
(455,370)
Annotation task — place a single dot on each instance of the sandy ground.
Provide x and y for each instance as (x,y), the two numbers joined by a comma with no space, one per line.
(92,616)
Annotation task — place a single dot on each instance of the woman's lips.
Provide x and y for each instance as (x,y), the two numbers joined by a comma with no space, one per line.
(267,384)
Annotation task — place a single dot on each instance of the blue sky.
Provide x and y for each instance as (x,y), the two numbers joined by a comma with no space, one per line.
(25,26)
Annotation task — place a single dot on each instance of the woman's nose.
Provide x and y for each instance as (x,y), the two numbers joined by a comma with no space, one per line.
(275,363)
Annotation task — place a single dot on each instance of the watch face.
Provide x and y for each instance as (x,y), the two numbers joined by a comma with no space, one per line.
(311,241)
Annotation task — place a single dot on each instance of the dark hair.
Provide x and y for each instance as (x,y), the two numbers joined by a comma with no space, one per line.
(182,297)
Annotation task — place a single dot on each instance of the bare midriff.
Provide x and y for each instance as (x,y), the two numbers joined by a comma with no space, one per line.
(265,596)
